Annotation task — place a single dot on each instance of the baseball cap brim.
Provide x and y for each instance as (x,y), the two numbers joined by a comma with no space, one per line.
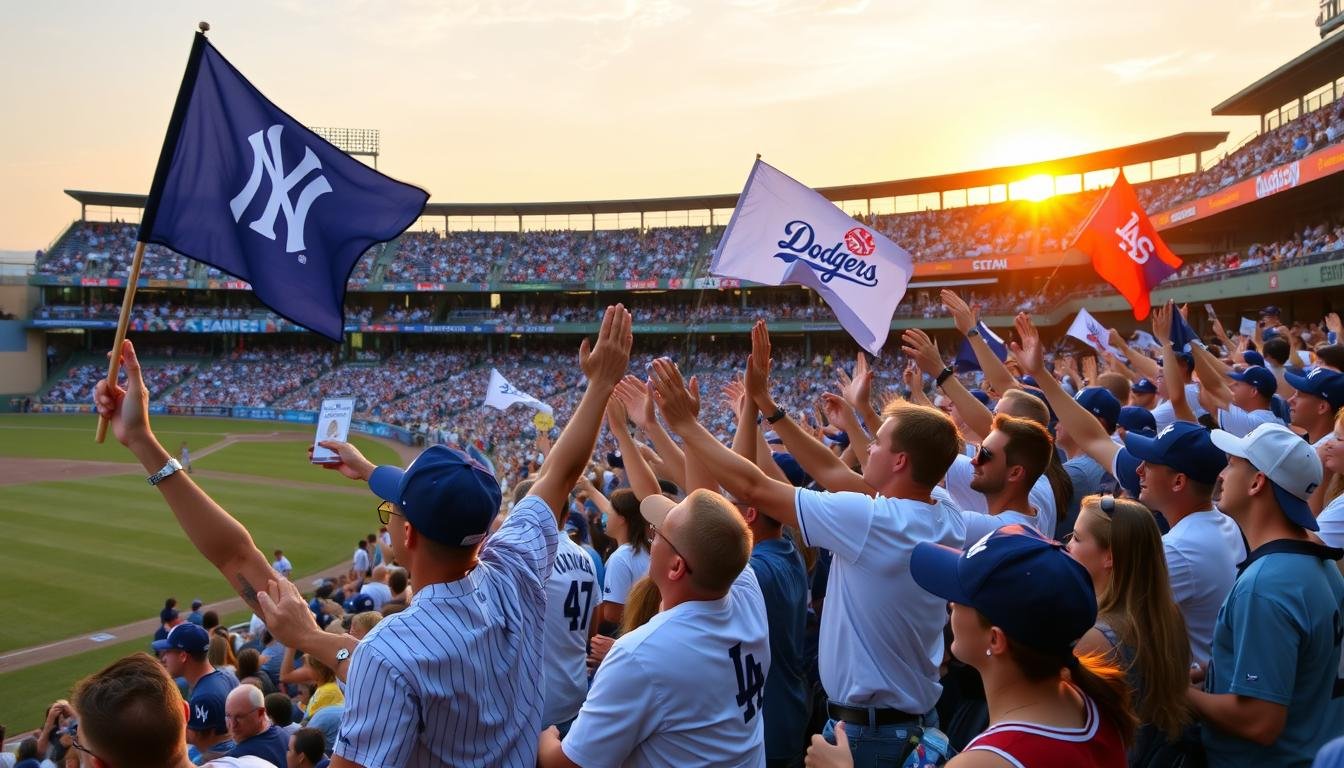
(934,568)
(160,645)
(655,508)
(385,482)
(1296,510)
(1145,448)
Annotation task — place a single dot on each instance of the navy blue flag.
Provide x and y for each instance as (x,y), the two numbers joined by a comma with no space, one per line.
(966,355)
(1181,332)
(243,187)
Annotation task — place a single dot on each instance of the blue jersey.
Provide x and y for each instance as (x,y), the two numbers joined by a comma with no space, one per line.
(783,580)
(207,701)
(1278,639)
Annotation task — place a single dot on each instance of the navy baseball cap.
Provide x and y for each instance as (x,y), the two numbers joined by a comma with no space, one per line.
(1251,357)
(358,603)
(1144,387)
(1325,384)
(1288,461)
(1100,403)
(981,395)
(1023,583)
(615,461)
(1270,310)
(188,637)
(1259,377)
(446,495)
(1138,419)
(1182,446)
(1029,380)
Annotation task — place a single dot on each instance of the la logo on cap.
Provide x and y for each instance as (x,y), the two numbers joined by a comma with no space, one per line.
(979,546)
(1165,430)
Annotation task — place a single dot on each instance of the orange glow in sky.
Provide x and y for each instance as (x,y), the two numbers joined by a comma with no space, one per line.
(532,100)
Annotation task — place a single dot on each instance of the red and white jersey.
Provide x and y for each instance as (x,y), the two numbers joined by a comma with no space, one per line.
(1032,745)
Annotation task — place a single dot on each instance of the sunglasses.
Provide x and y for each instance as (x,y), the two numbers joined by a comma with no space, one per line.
(385,512)
(984,456)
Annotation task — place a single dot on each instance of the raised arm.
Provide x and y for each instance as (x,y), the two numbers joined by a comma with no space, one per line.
(917,345)
(642,480)
(634,394)
(966,318)
(858,391)
(1141,364)
(1175,386)
(812,455)
(738,476)
(1081,424)
(914,381)
(603,364)
(213,531)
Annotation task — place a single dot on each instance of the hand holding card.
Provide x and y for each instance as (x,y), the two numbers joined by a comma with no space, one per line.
(333,423)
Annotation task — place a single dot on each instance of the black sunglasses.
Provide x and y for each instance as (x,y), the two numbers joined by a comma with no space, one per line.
(984,456)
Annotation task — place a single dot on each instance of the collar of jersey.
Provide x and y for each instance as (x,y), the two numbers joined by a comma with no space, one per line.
(449,590)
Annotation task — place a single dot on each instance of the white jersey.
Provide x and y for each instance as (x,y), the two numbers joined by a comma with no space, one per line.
(379,592)
(1240,422)
(684,689)
(1165,414)
(1202,553)
(572,596)
(624,568)
(1041,496)
(980,525)
(1331,521)
(873,652)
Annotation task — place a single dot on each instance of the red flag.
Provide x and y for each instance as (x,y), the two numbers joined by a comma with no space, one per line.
(1125,247)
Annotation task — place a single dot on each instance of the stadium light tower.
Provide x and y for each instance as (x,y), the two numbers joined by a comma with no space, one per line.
(353,141)
(1331,16)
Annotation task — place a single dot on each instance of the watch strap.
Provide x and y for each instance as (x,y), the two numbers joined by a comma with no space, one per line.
(171,468)
(776,416)
(945,375)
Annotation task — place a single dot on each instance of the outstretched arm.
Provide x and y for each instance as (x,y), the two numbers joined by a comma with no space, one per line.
(966,318)
(1081,424)
(1175,386)
(738,476)
(604,364)
(639,407)
(917,345)
(213,531)
(642,479)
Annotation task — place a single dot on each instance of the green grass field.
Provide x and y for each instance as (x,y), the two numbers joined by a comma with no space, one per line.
(83,555)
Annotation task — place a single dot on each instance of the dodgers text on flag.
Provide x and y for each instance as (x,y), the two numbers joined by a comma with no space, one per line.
(501,394)
(1125,248)
(782,232)
(247,189)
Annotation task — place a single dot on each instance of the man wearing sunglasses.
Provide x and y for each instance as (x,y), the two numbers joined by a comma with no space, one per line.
(451,680)
(1009,462)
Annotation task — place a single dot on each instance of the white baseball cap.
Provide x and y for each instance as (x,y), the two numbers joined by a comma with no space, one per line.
(1290,463)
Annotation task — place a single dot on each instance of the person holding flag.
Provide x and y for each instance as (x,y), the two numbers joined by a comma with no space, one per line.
(1125,248)
(242,186)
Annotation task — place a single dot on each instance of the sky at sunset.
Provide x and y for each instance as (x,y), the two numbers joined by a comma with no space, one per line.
(524,101)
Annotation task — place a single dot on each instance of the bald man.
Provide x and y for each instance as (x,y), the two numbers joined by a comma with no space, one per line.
(686,688)
(251,728)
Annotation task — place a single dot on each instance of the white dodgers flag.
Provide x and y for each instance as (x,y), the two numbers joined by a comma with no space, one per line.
(1086,329)
(783,232)
(502,394)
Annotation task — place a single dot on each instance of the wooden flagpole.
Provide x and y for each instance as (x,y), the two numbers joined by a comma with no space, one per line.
(114,359)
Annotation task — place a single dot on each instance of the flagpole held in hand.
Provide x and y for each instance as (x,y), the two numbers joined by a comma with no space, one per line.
(114,357)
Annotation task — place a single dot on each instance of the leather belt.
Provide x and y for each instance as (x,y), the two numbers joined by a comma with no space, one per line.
(869,715)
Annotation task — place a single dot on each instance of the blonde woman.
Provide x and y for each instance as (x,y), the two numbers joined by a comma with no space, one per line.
(326,693)
(220,654)
(1331,516)
(1138,625)
(640,605)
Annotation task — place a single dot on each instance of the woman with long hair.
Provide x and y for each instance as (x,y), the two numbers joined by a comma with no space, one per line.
(1019,605)
(326,693)
(220,653)
(1331,515)
(1138,624)
(629,563)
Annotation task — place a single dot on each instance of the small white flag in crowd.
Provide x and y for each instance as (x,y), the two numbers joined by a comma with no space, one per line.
(782,232)
(1145,340)
(1248,327)
(1085,328)
(502,394)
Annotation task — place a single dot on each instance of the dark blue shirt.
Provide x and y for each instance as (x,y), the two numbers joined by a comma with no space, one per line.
(207,701)
(783,579)
(271,744)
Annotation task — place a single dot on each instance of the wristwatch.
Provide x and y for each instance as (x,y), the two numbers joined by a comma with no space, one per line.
(776,416)
(973,333)
(945,375)
(171,468)
(342,655)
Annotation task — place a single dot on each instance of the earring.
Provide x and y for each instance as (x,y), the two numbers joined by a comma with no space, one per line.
(989,652)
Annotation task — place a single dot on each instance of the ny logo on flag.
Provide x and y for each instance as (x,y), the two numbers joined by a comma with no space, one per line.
(268,156)
(1139,248)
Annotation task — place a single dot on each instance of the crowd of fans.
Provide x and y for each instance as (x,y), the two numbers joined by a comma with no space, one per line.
(1119,557)
(254,377)
(78,381)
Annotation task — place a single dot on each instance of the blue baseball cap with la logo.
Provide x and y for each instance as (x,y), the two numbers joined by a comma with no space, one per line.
(1023,583)
(1182,446)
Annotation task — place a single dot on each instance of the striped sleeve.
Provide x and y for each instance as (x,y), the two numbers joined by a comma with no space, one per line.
(382,715)
(527,539)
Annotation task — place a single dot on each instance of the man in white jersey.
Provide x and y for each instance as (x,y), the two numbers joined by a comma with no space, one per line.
(1007,465)
(1319,396)
(572,596)
(451,680)
(687,687)
(878,661)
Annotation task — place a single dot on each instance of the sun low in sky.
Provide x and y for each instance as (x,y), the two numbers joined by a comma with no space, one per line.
(536,100)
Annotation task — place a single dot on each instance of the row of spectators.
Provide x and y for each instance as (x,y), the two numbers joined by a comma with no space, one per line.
(78,381)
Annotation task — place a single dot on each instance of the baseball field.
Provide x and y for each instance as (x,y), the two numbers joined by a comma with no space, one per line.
(90,551)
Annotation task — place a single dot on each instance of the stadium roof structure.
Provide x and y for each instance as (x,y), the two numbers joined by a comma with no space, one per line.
(1314,68)
(1175,145)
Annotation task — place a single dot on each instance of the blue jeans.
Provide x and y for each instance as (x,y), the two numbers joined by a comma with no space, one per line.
(880,746)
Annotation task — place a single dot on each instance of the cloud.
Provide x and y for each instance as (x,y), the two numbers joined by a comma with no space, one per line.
(1161,67)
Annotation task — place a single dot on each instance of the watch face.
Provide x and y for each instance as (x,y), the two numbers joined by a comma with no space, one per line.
(343,654)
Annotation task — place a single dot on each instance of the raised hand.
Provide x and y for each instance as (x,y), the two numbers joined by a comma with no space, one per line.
(735,394)
(962,314)
(680,405)
(617,417)
(1162,323)
(127,410)
(605,362)
(286,613)
(1027,350)
(1333,325)
(634,395)
(758,367)
(919,347)
(912,376)
(349,461)
(858,388)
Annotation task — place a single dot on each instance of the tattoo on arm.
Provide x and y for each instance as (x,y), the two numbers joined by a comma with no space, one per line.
(248,593)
